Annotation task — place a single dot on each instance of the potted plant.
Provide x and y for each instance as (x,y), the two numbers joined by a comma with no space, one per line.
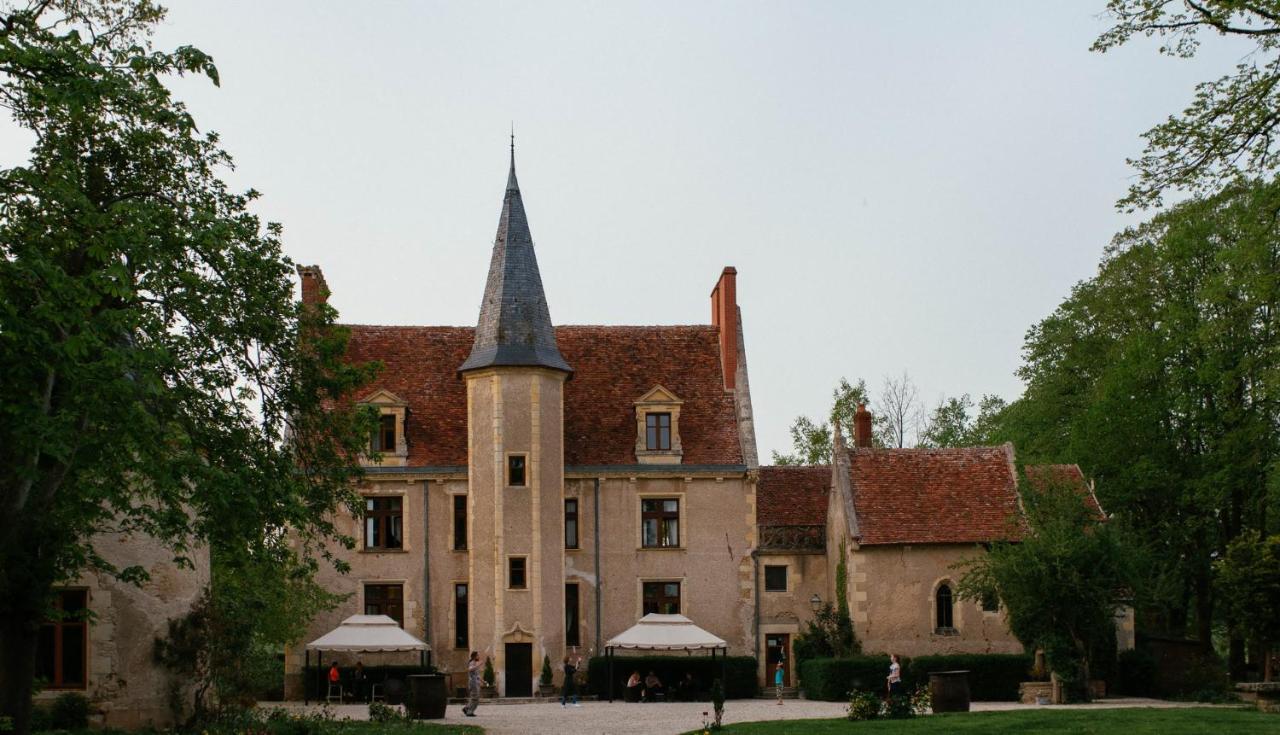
(489,690)
(545,687)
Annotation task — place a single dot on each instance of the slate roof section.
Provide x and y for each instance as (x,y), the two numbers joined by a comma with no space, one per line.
(793,495)
(614,365)
(935,496)
(514,328)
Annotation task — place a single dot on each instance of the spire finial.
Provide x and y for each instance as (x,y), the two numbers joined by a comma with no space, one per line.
(511,175)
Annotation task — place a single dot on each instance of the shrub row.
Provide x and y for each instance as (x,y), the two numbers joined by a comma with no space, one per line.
(739,673)
(992,677)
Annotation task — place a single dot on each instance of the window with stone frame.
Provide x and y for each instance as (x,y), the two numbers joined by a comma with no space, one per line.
(383,523)
(388,444)
(659,522)
(571,523)
(662,598)
(516,573)
(658,427)
(516,470)
(385,599)
(62,645)
(461,619)
(775,578)
(384,438)
(944,610)
(459,522)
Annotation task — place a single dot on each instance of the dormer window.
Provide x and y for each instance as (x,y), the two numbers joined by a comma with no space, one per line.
(388,443)
(385,439)
(657,431)
(658,427)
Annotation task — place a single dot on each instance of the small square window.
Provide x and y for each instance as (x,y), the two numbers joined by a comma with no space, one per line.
(775,578)
(657,431)
(990,603)
(661,597)
(515,470)
(660,522)
(515,573)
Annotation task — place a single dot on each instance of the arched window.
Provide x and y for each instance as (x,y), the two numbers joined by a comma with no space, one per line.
(943,607)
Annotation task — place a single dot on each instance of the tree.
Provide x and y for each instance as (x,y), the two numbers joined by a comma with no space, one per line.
(159,378)
(899,414)
(811,441)
(1157,376)
(1061,584)
(949,424)
(1249,580)
(1229,128)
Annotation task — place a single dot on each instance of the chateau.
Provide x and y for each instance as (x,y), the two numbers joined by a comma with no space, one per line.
(535,489)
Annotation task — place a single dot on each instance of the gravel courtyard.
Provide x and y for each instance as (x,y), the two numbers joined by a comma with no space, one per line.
(668,718)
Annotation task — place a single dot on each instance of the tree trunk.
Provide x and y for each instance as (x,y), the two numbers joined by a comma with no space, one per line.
(18,652)
(1204,609)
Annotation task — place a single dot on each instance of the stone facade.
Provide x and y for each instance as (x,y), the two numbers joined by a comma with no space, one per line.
(125,687)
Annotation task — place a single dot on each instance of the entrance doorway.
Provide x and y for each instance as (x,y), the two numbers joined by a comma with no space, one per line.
(777,647)
(519,670)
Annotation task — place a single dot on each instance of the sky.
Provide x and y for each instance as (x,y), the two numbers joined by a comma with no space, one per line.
(901,186)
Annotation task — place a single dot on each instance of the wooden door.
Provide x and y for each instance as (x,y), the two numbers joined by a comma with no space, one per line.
(777,648)
(519,670)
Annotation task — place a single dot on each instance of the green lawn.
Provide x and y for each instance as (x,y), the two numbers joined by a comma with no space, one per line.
(1195,721)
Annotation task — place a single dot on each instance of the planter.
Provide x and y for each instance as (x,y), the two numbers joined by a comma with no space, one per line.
(427,698)
(488,692)
(546,690)
(949,690)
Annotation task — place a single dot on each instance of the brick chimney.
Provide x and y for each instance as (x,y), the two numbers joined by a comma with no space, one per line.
(314,289)
(862,427)
(724,314)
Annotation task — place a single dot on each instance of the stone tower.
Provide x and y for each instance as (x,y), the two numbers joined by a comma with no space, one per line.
(515,379)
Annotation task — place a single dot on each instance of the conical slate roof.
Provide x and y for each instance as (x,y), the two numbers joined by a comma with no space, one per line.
(515,324)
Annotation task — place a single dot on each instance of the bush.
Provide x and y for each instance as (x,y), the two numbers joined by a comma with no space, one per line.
(864,706)
(740,673)
(993,677)
(379,712)
(832,679)
(545,678)
(490,678)
(70,711)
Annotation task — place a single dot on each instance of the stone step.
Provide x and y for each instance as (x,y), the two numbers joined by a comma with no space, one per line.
(772,693)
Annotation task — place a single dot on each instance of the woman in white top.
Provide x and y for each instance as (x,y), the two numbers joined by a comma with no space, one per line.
(894,678)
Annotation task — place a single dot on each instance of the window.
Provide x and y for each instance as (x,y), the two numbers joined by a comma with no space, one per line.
(660,522)
(459,522)
(461,639)
(515,470)
(943,600)
(662,598)
(775,578)
(991,603)
(515,572)
(62,645)
(657,431)
(385,599)
(384,440)
(571,634)
(571,523)
(383,523)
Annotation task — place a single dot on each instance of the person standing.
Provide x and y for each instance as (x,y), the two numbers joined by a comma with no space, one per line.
(894,679)
(570,684)
(778,674)
(474,665)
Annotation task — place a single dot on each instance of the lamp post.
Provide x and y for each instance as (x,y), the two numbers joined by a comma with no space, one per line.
(815,602)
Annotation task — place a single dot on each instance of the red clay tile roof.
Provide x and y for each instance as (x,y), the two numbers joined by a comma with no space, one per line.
(1043,475)
(934,496)
(613,366)
(792,496)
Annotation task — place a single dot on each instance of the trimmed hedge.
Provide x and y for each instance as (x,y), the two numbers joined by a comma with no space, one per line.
(740,673)
(831,679)
(992,677)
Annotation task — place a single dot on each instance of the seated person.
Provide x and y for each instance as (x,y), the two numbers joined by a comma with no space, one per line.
(688,689)
(652,687)
(634,687)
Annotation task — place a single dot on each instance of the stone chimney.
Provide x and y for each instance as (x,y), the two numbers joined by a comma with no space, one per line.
(862,427)
(724,314)
(314,289)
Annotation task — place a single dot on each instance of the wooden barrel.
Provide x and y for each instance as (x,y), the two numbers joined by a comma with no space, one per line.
(949,690)
(428,696)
